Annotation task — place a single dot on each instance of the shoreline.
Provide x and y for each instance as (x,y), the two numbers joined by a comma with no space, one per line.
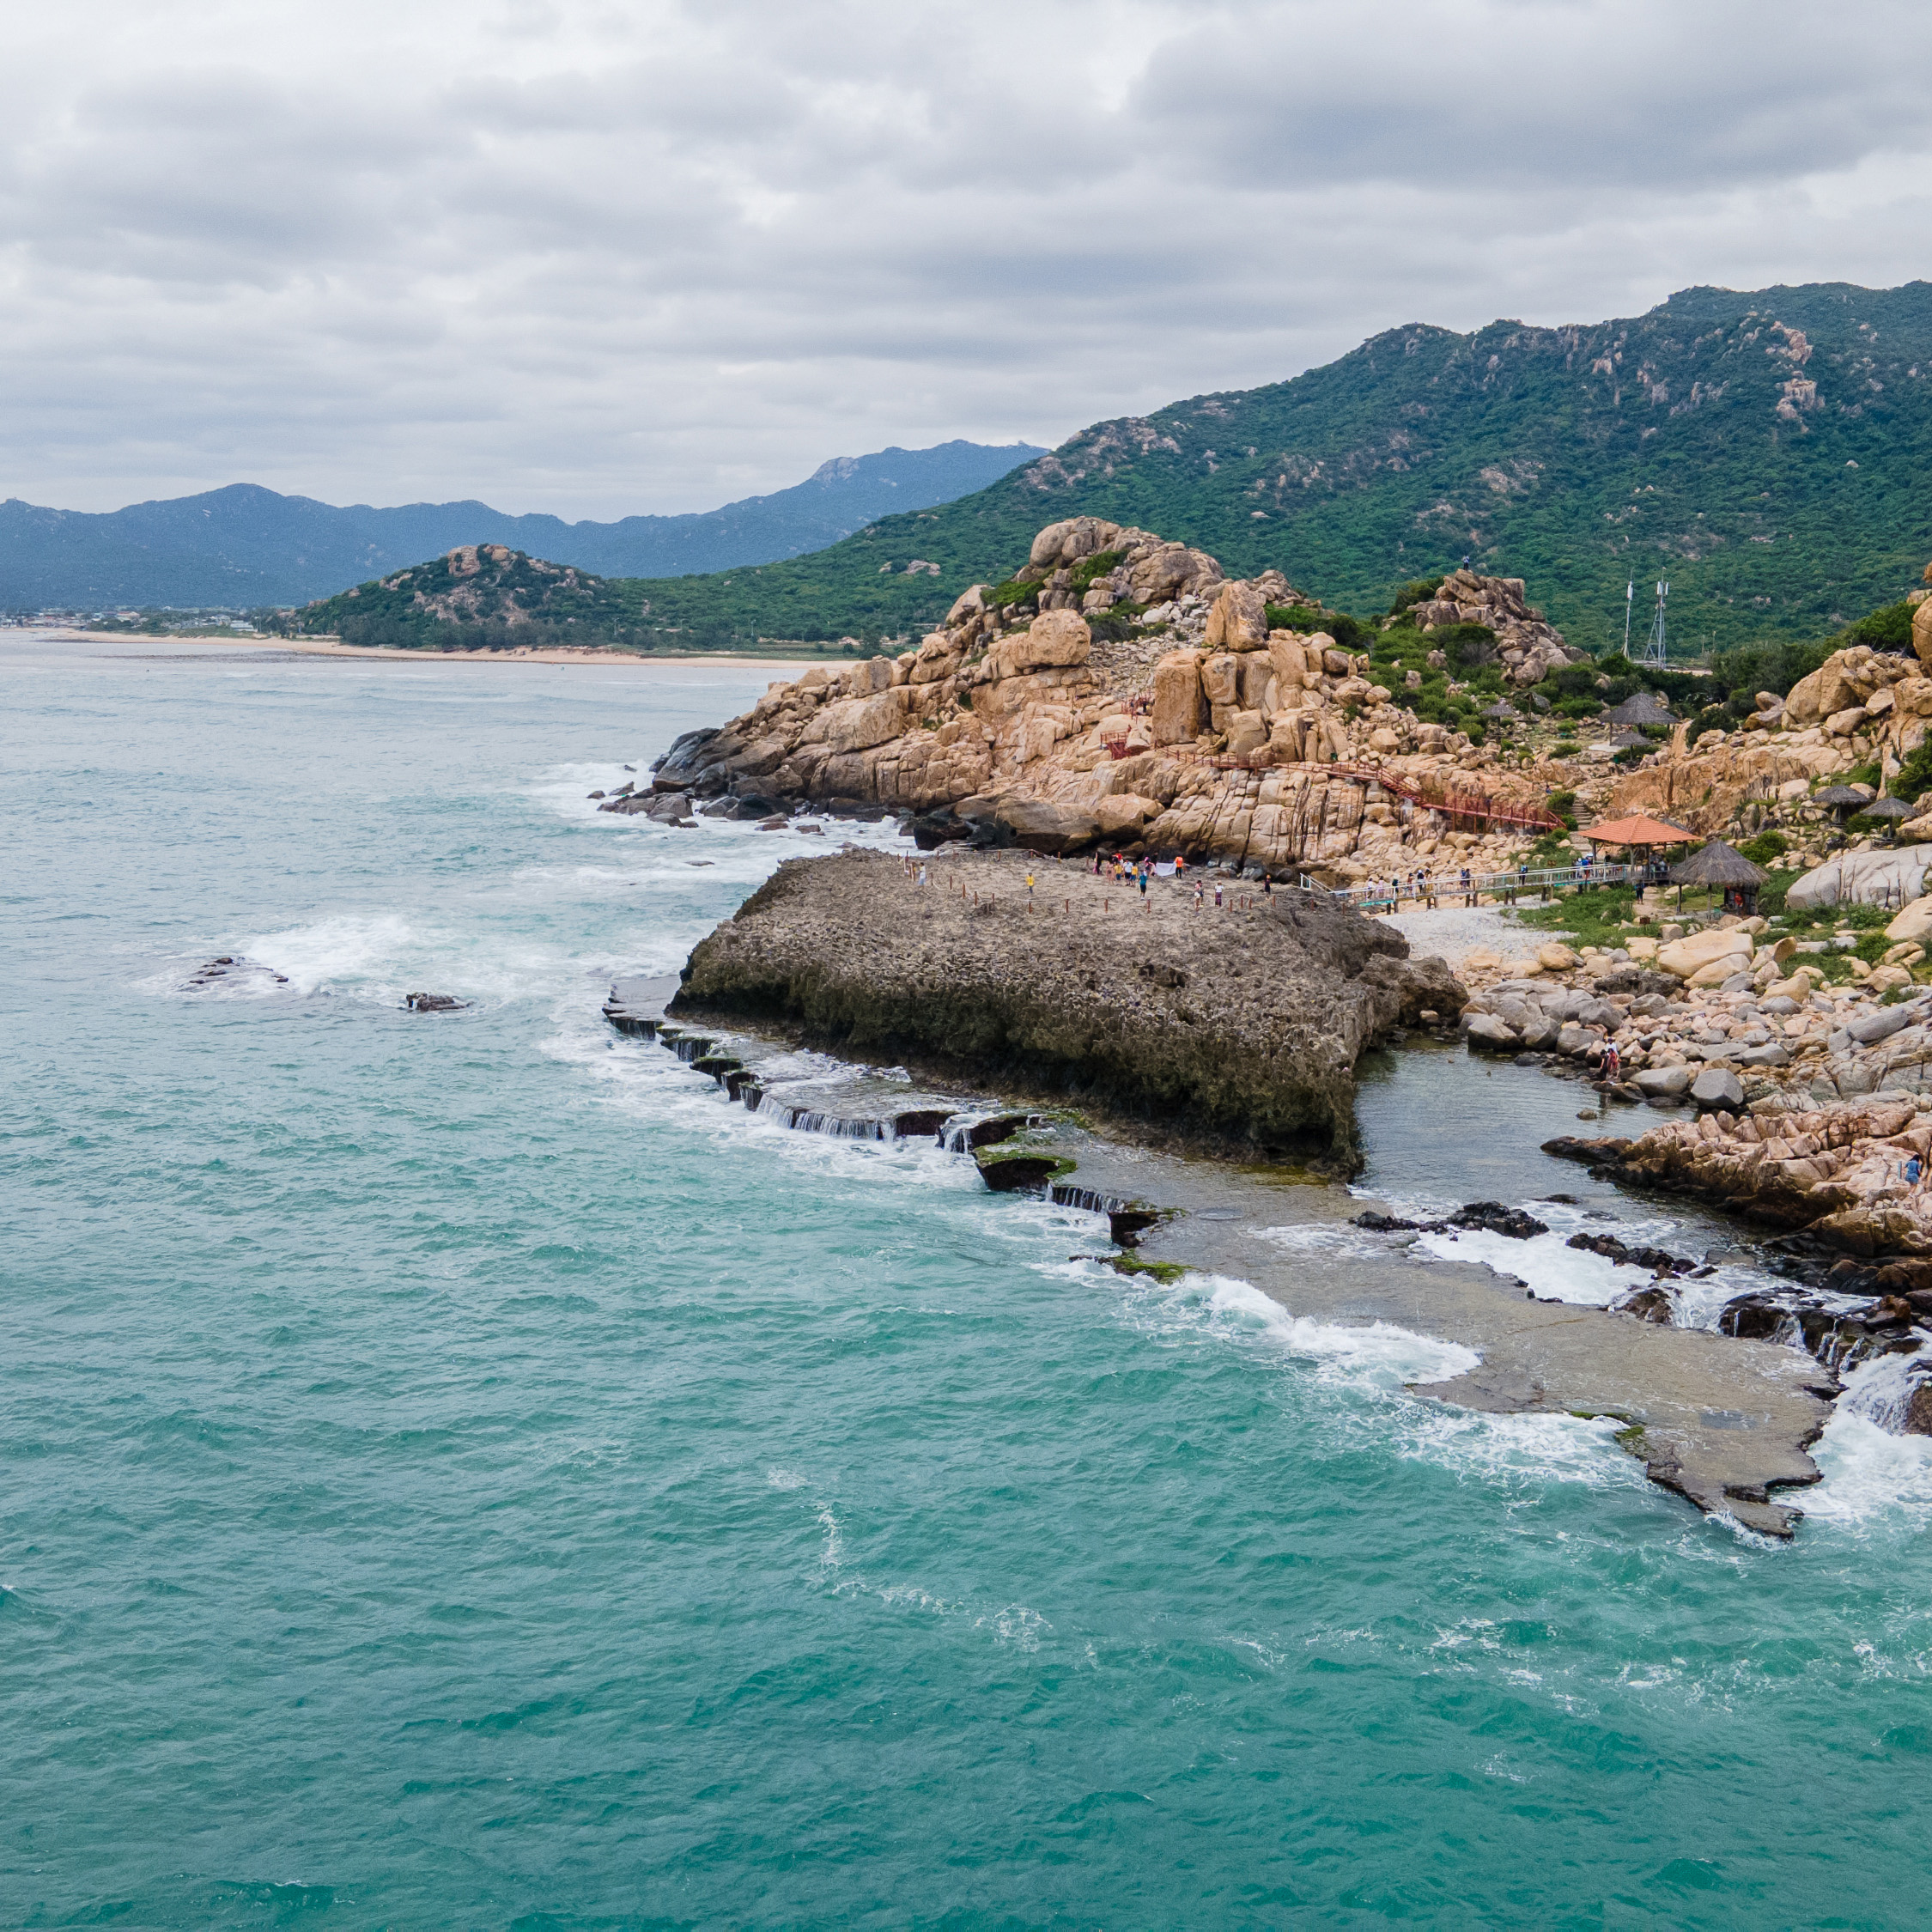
(328,648)
(1723,1421)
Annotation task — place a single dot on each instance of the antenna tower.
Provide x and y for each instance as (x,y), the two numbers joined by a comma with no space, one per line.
(1655,651)
(1630,590)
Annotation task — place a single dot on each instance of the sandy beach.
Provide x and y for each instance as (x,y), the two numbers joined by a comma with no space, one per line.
(333,647)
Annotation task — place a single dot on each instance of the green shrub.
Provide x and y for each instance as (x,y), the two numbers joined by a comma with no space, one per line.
(1766,847)
(1888,629)
(1712,718)
(1089,569)
(1419,591)
(1563,805)
(1565,748)
(1577,708)
(1012,591)
(1116,625)
(1914,774)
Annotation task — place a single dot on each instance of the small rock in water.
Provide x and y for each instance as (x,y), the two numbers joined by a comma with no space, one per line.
(1494,1217)
(434,1003)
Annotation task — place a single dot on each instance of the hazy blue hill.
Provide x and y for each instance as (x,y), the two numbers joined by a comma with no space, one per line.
(243,545)
(1672,443)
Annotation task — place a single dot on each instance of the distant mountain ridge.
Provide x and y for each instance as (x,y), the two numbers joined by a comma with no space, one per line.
(243,545)
(1768,451)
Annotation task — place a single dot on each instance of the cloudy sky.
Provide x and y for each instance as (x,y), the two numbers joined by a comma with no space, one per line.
(603,255)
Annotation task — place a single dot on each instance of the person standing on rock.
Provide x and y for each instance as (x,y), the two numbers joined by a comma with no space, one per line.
(1030,891)
(1197,896)
(922,875)
(1144,882)
(1217,894)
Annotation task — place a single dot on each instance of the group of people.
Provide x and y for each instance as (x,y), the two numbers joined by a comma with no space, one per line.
(1425,888)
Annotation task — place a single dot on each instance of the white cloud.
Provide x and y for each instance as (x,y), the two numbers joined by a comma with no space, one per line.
(596,259)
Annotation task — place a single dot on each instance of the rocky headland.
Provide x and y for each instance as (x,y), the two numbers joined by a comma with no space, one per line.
(1241,1023)
(1120,690)
(1120,693)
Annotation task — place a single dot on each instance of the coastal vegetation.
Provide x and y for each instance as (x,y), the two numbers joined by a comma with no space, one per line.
(479,597)
(1768,452)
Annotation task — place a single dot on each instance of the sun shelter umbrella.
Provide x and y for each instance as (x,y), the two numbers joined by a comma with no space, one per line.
(1722,868)
(1631,741)
(1841,800)
(1892,809)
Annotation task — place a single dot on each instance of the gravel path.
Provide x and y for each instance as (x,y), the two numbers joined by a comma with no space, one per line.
(1454,931)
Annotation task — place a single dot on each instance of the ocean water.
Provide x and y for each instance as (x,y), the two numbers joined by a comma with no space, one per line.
(455,1471)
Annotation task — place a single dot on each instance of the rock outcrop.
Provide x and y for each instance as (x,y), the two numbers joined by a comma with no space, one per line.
(1837,1173)
(1243,1023)
(1196,723)
(1529,647)
(1860,706)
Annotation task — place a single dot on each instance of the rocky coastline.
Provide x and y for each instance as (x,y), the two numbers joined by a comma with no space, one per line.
(1121,695)
(1724,1420)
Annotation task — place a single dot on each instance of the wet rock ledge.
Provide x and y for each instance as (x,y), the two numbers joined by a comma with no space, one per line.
(1240,1023)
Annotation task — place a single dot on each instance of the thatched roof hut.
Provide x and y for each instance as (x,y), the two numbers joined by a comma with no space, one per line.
(1642,708)
(1721,867)
(1893,809)
(1842,799)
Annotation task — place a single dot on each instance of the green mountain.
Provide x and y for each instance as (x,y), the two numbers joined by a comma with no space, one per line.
(1768,452)
(478,597)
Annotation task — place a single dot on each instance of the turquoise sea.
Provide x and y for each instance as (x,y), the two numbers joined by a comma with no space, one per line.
(458,1472)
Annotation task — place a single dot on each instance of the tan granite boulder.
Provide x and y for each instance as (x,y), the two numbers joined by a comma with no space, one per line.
(1055,638)
(1238,621)
(1176,717)
(1921,632)
(857,724)
(1915,922)
(1122,815)
(1689,956)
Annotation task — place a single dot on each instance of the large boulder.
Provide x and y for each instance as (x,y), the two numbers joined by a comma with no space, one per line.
(1829,689)
(857,724)
(1921,632)
(1124,814)
(1176,716)
(1863,877)
(1054,639)
(1662,1083)
(1696,951)
(1717,1087)
(1239,620)
(1172,571)
(1070,541)
(1882,1024)
(1040,826)
(1915,922)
